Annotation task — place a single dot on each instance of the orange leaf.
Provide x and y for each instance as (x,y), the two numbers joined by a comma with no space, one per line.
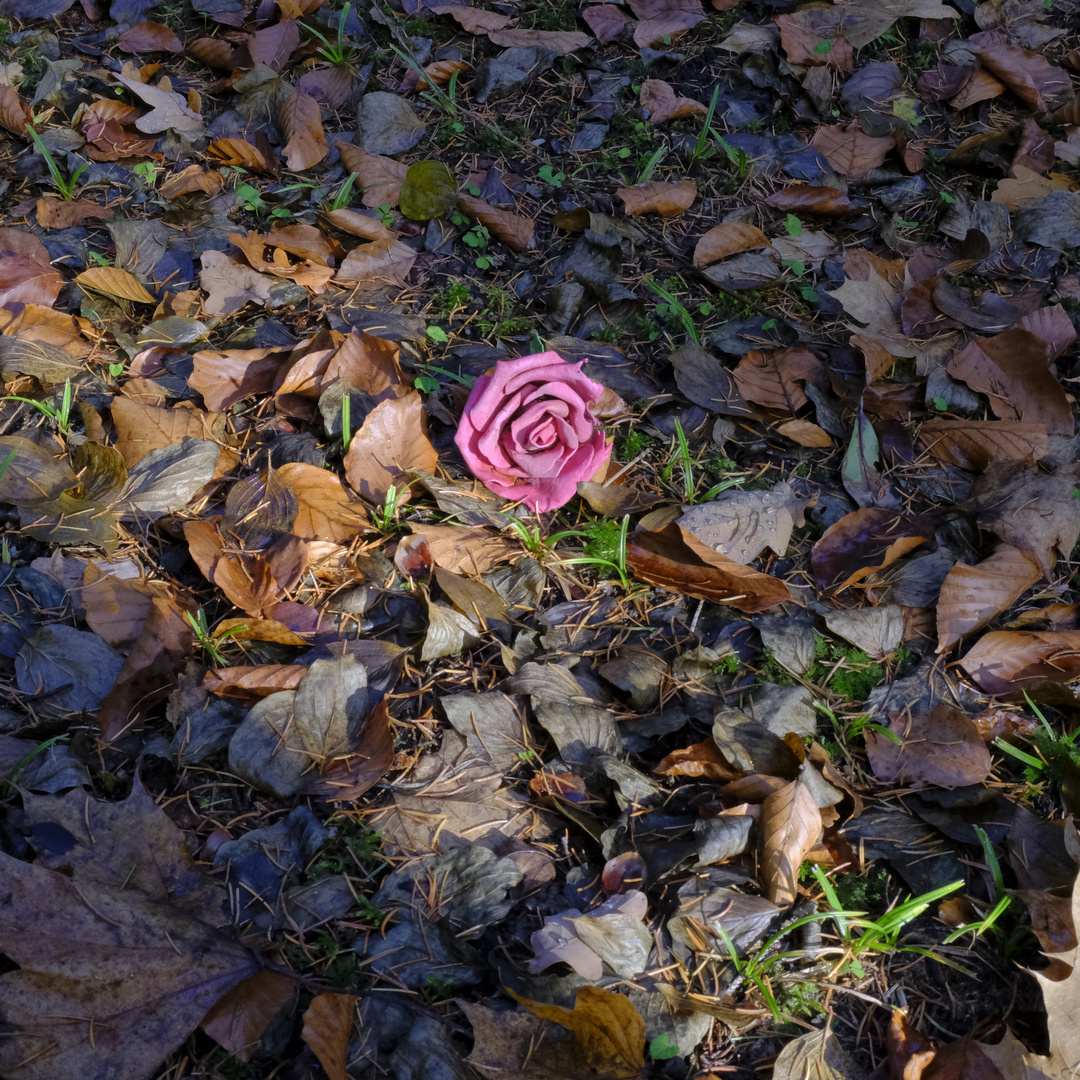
(659,197)
(328,1023)
(115,282)
(727,239)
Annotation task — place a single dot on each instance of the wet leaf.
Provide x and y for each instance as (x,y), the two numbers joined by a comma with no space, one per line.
(1009,662)
(861,543)
(741,524)
(972,595)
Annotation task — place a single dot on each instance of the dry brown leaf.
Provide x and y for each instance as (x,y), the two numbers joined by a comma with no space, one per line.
(606,21)
(972,595)
(514,230)
(1037,82)
(257,681)
(381,259)
(63,213)
(702,759)
(1013,370)
(664,104)
(826,202)
(146,37)
(53,327)
(141,428)
(15,114)
(471,551)
(561,42)
(982,86)
(369,364)
(850,151)
(238,152)
(790,827)
(115,282)
(229,286)
(662,20)
(325,511)
(805,433)
(238,1020)
(193,178)
(772,379)
(391,443)
(300,118)
(379,178)
(357,224)
(675,560)
(808,49)
(727,239)
(942,749)
(973,444)
(668,199)
(226,376)
(474,20)
(328,1022)
(310,274)
(1010,662)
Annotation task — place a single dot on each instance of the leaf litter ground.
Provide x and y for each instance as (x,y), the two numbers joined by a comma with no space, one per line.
(756,756)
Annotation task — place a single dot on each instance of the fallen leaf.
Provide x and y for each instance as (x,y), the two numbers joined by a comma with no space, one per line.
(818,1055)
(674,560)
(790,826)
(238,152)
(138,947)
(168,109)
(560,42)
(862,23)
(15,114)
(300,119)
(1033,79)
(324,510)
(149,37)
(608,1029)
(514,230)
(606,21)
(702,759)
(668,199)
(381,259)
(380,178)
(664,104)
(771,379)
(1012,661)
(63,213)
(741,524)
(1013,370)
(224,377)
(238,1020)
(661,20)
(142,428)
(850,151)
(193,178)
(973,444)
(804,433)
(392,442)
(861,543)
(972,595)
(328,1022)
(115,282)
(229,285)
(941,749)
(826,202)
(729,239)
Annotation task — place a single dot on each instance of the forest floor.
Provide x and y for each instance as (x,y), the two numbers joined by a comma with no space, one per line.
(757,757)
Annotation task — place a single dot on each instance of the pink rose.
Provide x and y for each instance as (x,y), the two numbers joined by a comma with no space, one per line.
(527,432)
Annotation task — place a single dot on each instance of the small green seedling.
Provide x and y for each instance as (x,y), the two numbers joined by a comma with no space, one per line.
(66,188)
(210,643)
(550,177)
(59,414)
